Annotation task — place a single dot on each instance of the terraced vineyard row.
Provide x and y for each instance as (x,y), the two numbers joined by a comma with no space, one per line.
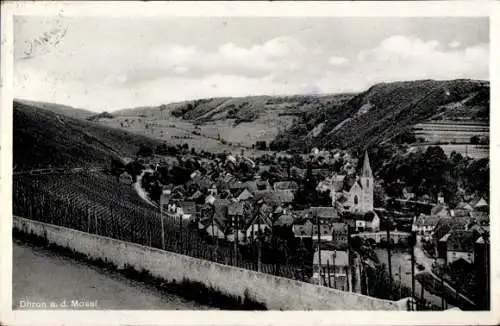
(97,203)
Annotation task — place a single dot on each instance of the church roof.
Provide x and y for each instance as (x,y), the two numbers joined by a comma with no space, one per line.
(367,170)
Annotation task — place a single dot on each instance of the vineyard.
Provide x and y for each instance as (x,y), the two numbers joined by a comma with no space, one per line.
(98,203)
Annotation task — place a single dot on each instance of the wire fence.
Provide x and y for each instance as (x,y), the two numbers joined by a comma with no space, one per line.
(97,203)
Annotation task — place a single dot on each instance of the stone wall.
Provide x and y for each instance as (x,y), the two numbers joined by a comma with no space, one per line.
(276,293)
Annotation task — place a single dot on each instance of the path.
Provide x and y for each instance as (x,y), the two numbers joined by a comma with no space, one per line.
(40,275)
(140,190)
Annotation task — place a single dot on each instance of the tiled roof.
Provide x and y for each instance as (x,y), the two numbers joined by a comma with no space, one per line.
(461,241)
(284,185)
(439,209)
(340,227)
(236,208)
(445,225)
(275,197)
(427,220)
(323,212)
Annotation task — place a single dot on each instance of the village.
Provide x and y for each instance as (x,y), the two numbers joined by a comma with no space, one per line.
(315,213)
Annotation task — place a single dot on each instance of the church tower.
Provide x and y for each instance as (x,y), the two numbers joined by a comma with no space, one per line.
(367,184)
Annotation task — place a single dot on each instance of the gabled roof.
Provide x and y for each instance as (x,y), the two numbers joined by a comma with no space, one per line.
(461,241)
(284,185)
(440,209)
(426,220)
(236,208)
(464,206)
(445,225)
(323,212)
(482,218)
(245,195)
(481,203)
(275,197)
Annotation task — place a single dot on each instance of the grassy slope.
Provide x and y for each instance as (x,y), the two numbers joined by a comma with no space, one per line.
(239,121)
(43,138)
(391,107)
(59,109)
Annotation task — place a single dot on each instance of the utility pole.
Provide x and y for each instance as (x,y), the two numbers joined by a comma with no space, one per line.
(235,228)
(319,249)
(389,258)
(413,243)
(161,222)
(180,235)
(328,272)
(442,288)
(399,283)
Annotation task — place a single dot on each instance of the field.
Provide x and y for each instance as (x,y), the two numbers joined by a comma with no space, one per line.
(97,203)
(450,131)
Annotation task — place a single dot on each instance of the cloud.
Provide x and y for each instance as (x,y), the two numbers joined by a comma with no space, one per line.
(338,61)
(109,72)
(404,57)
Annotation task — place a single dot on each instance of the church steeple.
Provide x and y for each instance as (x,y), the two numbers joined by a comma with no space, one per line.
(367,170)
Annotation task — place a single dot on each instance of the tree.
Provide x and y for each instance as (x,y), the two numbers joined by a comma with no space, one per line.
(379,195)
(474,140)
(145,151)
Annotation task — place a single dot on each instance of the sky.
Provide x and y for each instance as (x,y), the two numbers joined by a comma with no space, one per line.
(110,63)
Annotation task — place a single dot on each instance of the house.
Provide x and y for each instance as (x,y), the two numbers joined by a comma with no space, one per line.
(464,206)
(459,245)
(217,224)
(334,268)
(325,232)
(440,210)
(424,224)
(285,185)
(479,203)
(481,218)
(443,227)
(302,228)
(187,209)
(325,215)
(407,194)
(125,178)
(258,222)
(368,222)
(244,195)
(210,199)
(235,214)
(275,197)
(340,235)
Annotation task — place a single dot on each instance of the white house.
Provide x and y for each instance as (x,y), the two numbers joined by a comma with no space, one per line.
(367,222)
(334,267)
(424,224)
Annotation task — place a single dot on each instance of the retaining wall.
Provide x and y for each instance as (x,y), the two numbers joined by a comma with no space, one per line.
(276,293)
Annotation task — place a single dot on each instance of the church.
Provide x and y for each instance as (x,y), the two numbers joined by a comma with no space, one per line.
(352,192)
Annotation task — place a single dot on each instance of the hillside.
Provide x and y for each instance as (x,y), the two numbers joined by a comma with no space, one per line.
(384,111)
(42,138)
(218,124)
(59,109)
